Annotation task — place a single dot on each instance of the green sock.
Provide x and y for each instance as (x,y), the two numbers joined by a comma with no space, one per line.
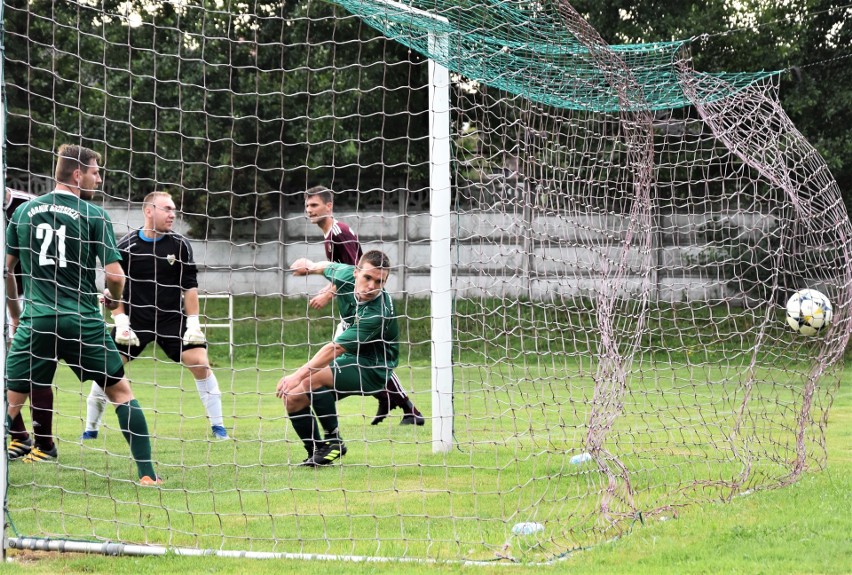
(306,428)
(324,403)
(131,421)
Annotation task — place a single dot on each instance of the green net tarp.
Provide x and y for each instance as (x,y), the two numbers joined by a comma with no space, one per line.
(524,48)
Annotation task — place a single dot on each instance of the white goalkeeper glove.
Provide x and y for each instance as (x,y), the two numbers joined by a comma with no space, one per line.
(193,334)
(124,335)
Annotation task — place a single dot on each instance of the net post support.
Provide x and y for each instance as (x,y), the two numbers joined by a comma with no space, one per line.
(440,235)
(4,487)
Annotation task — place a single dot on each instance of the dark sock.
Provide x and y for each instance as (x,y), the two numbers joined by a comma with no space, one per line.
(324,402)
(17,429)
(305,425)
(398,397)
(383,397)
(134,427)
(409,408)
(41,407)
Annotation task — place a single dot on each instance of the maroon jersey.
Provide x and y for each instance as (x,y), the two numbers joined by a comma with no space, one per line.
(15,198)
(342,245)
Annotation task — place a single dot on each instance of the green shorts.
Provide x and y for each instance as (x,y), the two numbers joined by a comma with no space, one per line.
(83,343)
(350,378)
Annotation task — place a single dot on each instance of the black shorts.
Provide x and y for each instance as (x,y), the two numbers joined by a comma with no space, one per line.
(168,333)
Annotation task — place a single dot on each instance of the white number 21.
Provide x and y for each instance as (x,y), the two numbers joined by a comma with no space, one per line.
(45,233)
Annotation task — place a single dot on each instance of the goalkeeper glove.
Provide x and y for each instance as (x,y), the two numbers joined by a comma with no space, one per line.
(124,335)
(193,334)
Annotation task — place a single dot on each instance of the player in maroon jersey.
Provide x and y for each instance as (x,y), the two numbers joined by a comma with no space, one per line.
(342,246)
(43,398)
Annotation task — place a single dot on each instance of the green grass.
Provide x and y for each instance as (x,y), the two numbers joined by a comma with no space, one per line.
(802,528)
(517,424)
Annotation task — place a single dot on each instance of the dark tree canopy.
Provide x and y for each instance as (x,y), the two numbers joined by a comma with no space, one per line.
(237,115)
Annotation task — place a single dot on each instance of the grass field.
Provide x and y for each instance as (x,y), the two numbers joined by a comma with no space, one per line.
(803,528)
(517,424)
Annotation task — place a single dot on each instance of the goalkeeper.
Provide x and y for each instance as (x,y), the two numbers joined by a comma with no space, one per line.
(160,271)
(359,361)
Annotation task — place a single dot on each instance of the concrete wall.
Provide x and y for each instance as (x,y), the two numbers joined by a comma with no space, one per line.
(490,258)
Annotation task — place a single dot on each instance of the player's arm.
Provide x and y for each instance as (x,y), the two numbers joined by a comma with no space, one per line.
(321,359)
(12,303)
(114,279)
(304,267)
(193,333)
(324,297)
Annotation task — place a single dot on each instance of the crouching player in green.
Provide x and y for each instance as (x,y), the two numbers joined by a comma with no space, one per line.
(359,361)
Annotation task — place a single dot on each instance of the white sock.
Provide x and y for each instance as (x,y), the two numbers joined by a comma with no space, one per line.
(95,407)
(211,398)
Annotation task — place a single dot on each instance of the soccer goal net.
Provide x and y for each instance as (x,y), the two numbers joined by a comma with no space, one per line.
(592,247)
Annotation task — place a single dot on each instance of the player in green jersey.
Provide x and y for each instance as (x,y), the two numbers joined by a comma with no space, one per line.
(58,239)
(359,361)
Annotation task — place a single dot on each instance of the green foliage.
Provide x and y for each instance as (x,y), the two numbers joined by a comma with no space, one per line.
(808,38)
(232,113)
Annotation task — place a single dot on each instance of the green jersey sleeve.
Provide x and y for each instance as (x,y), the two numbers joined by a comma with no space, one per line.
(341,275)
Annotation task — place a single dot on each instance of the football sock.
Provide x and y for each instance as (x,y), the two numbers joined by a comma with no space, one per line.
(95,406)
(211,398)
(305,426)
(324,402)
(398,398)
(383,397)
(134,427)
(409,409)
(41,404)
(16,426)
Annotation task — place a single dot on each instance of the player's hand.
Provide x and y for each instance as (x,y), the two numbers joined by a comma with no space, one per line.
(321,300)
(110,303)
(193,334)
(301,266)
(281,387)
(286,385)
(124,334)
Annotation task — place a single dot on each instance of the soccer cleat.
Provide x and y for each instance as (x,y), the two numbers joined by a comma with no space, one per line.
(87,435)
(326,453)
(415,418)
(18,448)
(39,455)
(219,432)
(146,481)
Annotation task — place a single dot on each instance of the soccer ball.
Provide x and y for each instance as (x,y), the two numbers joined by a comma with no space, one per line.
(809,311)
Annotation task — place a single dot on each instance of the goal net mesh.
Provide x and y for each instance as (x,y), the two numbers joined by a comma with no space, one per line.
(625,233)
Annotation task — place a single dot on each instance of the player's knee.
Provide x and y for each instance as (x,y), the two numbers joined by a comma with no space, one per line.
(199,372)
(294,403)
(119,392)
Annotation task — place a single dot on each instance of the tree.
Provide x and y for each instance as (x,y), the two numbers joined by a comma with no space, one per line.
(232,111)
(803,37)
